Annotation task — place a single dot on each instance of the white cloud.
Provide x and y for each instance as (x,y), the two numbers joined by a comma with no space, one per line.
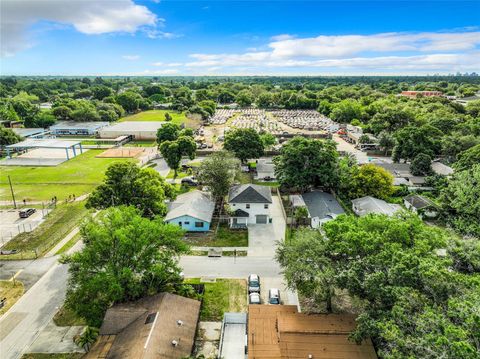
(282,37)
(157,34)
(131,57)
(86,16)
(174,64)
(161,72)
(347,45)
(446,51)
(157,64)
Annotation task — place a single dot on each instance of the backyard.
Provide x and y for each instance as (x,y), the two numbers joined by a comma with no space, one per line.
(77,176)
(223,295)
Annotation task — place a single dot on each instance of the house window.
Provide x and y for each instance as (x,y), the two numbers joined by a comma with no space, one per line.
(187,223)
(265,206)
(247,205)
(198,224)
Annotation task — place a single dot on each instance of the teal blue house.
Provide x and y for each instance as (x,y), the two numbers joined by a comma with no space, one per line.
(193,211)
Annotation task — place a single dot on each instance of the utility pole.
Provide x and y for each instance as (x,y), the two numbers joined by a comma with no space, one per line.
(13,195)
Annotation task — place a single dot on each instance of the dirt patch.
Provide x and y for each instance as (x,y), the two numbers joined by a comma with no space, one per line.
(122,152)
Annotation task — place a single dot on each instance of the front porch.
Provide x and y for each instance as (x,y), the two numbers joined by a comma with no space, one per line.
(239,219)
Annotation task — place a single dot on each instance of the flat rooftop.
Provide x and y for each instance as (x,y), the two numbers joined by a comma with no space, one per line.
(134,126)
(44,143)
(26,132)
(77,125)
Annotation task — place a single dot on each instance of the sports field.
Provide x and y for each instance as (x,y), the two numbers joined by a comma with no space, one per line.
(77,176)
(156,115)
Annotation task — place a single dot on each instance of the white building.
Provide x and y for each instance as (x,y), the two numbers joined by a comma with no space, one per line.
(140,130)
(250,204)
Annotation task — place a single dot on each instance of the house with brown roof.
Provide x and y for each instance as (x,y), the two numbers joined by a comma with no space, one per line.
(162,326)
(279,331)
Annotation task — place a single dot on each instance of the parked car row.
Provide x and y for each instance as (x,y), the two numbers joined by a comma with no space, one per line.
(254,291)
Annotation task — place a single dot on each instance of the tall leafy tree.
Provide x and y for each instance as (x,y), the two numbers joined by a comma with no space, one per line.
(168,132)
(218,172)
(127,184)
(369,180)
(411,141)
(468,158)
(421,165)
(125,257)
(245,143)
(304,163)
(460,201)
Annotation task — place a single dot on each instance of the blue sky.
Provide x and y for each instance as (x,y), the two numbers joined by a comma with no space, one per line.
(134,37)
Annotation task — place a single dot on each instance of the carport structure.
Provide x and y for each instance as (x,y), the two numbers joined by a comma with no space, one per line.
(49,143)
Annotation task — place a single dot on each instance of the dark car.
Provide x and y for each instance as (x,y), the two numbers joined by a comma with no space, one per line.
(27,212)
(267,178)
(191,181)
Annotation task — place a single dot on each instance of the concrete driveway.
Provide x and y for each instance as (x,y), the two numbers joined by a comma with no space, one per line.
(263,238)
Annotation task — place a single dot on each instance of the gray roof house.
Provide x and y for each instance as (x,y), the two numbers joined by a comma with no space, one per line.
(421,205)
(250,193)
(250,204)
(322,207)
(367,205)
(192,211)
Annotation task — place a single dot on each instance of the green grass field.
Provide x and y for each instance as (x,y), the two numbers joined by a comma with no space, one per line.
(156,115)
(78,176)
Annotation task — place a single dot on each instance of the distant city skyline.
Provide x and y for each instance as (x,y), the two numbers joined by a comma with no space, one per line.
(152,37)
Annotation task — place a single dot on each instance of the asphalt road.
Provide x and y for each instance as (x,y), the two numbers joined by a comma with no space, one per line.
(21,325)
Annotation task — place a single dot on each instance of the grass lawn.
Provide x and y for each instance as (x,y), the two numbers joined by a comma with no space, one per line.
(69,244)
(244,178)
(156,115)
(225,237)
(66,318)
(78,176)
(225,295)
(267,183)
(53,356)
(11,291)
(142,144)
(180,174)
(58,224)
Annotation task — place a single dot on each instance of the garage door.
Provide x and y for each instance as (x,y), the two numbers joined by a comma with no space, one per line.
(261,218)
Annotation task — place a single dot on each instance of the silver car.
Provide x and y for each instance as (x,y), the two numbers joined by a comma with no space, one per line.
(274,296)
(253,283)
(254,298)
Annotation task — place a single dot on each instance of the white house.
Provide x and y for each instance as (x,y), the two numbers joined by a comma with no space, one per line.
(250,203)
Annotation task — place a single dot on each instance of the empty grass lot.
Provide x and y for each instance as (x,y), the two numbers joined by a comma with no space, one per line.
(78,176)
(224,237)
(58,224)
(225,295)
(66,317)
(52,356)
(156,115)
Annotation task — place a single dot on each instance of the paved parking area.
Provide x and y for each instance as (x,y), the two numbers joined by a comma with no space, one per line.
(11,224)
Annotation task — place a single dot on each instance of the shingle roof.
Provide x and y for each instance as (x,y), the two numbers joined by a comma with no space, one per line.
(145,329)
(321,204)
(368,204)
(419,202)
(195,204)
(250,193)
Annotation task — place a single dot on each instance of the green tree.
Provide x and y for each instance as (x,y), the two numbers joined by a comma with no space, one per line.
(244,98)
(218,172)
(62,113)
(125,257)
(468,158)
(8,137)
(369,180)
(307,268)
(305,163)
(168,117)
(127,184)
(268,139)
(460,201)
(346,111)
(7,113)
(245,143)
(129,100)
(43,119)
(168,132)
(421,165)
(100,92)
(411,141)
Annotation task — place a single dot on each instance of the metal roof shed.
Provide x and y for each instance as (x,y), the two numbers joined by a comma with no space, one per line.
(49,143)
